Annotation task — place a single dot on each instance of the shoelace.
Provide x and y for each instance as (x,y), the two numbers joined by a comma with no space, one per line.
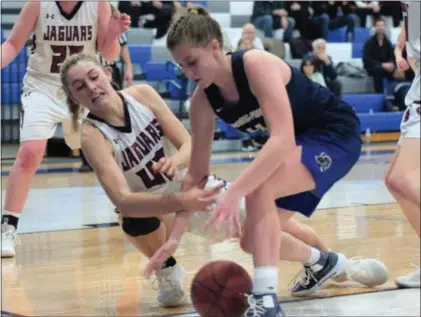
(256,307)
(303,277)
(162,281)
(349,269)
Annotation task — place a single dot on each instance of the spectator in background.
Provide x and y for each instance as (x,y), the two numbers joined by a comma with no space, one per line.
(376,9)
(249,33)
(271,15)
(341,13)
(324,65)
(378,57)
(308,68)
(310,26)
(162,11)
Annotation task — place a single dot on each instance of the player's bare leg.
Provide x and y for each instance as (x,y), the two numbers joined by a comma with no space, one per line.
(27,161)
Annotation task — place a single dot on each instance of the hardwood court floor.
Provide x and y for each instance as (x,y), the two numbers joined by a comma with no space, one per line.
(74,261)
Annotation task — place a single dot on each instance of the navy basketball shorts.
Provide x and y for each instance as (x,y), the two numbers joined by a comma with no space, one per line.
(328,156)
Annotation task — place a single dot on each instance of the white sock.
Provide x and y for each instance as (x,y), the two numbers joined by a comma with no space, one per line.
(10,213)
(314,257)
(265,280)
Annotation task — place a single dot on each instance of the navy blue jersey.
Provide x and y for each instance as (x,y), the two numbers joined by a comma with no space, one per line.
(313,106)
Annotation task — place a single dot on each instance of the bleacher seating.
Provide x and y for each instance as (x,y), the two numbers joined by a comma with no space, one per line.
(150,58)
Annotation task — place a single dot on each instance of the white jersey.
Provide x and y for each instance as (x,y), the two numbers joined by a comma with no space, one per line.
(58,35)
(137,146)
(411,13)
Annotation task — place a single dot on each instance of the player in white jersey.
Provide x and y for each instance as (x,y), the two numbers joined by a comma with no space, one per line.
(59,28)
(136,145)
(403,177)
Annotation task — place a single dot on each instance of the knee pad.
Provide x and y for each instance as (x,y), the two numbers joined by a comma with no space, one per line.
(135,227)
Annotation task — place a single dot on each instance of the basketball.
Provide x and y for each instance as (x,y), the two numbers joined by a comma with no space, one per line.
(219,288)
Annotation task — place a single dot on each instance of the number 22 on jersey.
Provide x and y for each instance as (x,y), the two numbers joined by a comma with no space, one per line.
(60,53)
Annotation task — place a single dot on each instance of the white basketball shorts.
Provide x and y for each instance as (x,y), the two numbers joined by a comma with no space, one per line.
(410,126)
(41,113)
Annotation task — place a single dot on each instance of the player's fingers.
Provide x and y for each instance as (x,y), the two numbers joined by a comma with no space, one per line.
(238,225)
(171,172)
(156,166)
(166,167)
(229,227)
(218,224)
(211,221)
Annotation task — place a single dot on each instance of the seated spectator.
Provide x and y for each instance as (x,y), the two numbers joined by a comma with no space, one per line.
(379,58)
(324,65)
(341,13)
(249,32)
(376,9)
(271,15)
(311,27)
(308,68)
(162,11)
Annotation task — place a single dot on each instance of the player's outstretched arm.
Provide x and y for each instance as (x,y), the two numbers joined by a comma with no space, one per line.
(202,123)
(99,154)
(20,33)
(268,87)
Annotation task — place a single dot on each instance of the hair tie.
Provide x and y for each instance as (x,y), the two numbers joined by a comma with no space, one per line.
(194,11)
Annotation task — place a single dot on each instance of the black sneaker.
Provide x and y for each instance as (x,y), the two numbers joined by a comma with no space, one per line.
(265,305)
(311,278)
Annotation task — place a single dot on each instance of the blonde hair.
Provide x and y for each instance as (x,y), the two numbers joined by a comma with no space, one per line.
(194,26)
(71,61)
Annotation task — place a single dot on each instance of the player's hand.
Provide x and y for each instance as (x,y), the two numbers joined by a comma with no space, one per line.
(227,210)
(118,24)
(167,166)
(197,199)
(402,63)
(160,256)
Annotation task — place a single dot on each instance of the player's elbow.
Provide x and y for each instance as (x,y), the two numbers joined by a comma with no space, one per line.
(121,200)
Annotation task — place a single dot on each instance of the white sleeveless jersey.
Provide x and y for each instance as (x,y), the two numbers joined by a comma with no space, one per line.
(411,13)
(137,146)
(58,35)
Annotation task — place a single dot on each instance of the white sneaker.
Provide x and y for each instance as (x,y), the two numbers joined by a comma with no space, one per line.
(411,280)
(368,272)
(171,286)
(8,241)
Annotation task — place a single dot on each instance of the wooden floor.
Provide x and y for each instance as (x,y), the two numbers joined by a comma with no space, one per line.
(89,269)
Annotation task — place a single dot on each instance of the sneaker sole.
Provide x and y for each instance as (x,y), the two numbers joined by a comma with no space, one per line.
(8,254)
(406,285)
(339,267)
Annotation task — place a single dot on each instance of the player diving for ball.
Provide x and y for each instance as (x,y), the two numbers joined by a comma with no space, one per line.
(138,150)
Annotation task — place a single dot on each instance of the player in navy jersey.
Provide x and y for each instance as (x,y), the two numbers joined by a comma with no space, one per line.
(314,141)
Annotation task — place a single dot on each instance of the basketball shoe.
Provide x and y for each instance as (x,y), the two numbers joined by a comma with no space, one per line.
(8,241)
(171,286)
(312,277)
(411,280)
(265,305)
(368,272)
